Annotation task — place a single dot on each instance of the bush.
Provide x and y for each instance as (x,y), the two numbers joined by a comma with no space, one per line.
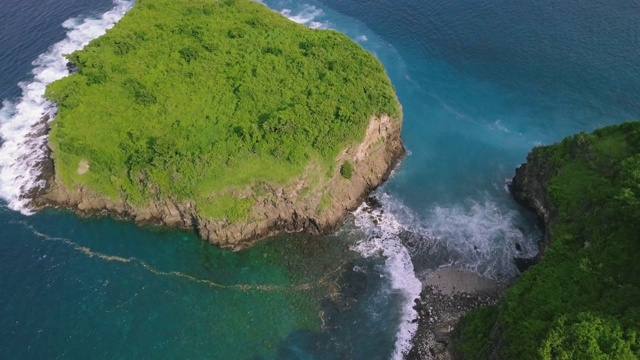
(346,170)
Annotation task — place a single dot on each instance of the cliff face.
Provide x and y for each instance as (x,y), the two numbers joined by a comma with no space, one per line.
(530,188)
(311,203)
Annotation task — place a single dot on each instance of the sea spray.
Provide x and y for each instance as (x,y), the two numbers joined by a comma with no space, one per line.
(486,236)
(306,17)
(478,235)
(481,237)
(382,239)
(23,123)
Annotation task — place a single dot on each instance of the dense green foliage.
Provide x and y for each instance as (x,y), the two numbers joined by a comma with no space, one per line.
(475,329)
(189,98)
(346,170)
(582,301)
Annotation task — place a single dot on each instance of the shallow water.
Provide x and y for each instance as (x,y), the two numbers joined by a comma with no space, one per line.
(480,84)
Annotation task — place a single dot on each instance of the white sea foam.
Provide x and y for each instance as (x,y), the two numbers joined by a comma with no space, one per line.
(382,239)
(450,109)
(479,235)
(21,127)
(483,235)
(306,16)
(497,125)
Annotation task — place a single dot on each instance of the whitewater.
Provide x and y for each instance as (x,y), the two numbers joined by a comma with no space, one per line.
(382,238)
(23,123)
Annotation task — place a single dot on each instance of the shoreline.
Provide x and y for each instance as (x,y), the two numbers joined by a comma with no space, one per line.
(447,295)
(258,163)
(373,164)
(24,131)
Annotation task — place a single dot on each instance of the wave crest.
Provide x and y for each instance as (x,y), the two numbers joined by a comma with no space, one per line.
(23,123)
(383,233)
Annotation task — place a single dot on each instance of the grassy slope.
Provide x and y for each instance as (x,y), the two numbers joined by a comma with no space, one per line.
(186,99)
(582,301)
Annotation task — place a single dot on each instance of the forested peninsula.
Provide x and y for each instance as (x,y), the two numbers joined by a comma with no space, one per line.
(582,300)
(223,117)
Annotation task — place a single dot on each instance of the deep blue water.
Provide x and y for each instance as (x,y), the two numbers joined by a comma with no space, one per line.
(480,83)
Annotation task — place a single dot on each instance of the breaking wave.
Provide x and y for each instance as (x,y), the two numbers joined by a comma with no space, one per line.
(383,239)
(23,122)
(479,235)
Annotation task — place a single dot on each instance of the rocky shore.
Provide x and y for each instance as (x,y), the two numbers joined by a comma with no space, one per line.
(529,188)
(447,295)
(311,203)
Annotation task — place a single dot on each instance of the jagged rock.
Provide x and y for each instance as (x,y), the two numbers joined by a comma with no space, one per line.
(446,304)
(529,188)
(373,202)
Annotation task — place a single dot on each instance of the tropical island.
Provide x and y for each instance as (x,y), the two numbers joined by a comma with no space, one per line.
(220,116)
(582,299)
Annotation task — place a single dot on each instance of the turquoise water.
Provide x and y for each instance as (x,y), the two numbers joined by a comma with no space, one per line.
(86,288)
(480,83)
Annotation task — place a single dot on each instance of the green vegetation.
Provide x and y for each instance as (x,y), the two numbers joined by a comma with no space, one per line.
(191,99)
(226,207)
(325,203)
(346,170)
(582,301)
(475,328)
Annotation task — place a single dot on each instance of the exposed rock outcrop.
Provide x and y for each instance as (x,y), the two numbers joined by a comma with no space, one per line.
(313,202)
(530,188)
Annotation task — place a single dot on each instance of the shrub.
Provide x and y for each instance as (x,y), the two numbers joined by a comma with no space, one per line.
(346,170)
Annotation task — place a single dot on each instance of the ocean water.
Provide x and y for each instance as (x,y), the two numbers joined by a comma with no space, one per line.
(480,83)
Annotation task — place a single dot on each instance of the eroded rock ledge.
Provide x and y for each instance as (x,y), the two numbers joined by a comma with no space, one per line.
(313,202)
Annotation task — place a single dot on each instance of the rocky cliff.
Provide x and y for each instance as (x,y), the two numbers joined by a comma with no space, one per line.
(530,186)
(313,202)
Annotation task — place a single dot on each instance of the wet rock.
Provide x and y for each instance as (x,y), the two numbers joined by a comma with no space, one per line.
(444,305)
(71,67)
(442,336)
(373,202)
(524,263)
(529,188)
